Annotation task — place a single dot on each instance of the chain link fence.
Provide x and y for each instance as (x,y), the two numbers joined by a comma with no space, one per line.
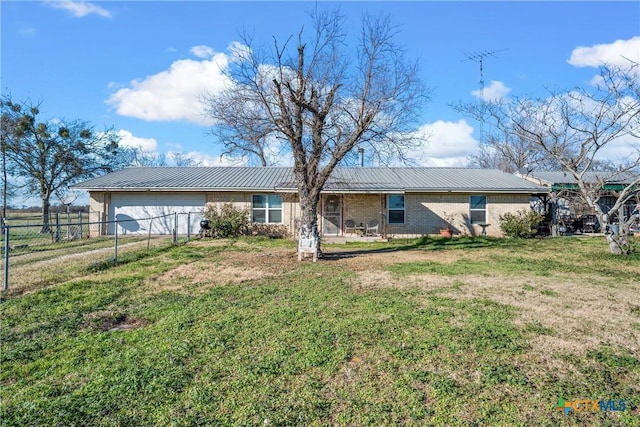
(35,254)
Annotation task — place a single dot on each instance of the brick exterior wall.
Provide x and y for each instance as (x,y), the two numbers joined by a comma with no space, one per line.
(239,200)
(363,208)
(290,205)
(98,212)
(425,213)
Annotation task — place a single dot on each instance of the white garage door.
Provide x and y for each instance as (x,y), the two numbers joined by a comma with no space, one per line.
(138,213)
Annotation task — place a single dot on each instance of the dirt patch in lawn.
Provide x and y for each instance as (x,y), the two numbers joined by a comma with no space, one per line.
(377,260)
(568,314)
(109,321)
(233,267)
(570,317)
(273,261)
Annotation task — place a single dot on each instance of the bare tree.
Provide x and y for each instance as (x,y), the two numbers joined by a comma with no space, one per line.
(51,155)
(511,153)
(183,160)
(323,99)
(573,128)
(137,157)
(243,126)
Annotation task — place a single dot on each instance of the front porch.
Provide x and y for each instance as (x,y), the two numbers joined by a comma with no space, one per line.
(352,218)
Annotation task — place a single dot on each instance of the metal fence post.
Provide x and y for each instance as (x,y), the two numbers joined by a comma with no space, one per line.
(175,228)
(5,229)
(188,226)
(80,225)
(57,232)
(68,224)
(149,234)
(115,240)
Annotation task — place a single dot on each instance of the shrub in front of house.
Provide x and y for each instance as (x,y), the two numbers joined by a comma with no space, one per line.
(521,224)
(228,220)
(274,231)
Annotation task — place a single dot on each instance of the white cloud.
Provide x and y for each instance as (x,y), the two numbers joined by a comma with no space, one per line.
(277,152)
(239,51)
(448,144)
(610,54)
(80,9)
(202,51)
(621,150)
(495,91)
(209,160)
(149,145)
(173,94)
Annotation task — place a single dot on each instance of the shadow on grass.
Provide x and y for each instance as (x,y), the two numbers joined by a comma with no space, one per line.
(423,243)
(125,258)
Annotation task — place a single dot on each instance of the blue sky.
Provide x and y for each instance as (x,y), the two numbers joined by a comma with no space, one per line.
(140,66)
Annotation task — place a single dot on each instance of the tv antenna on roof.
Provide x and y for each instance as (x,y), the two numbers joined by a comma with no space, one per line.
(479,57)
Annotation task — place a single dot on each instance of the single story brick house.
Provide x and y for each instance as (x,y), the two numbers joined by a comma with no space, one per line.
(403,201)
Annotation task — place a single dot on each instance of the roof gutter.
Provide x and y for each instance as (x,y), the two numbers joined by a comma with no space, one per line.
(186,189)
(482,190)
(327,191)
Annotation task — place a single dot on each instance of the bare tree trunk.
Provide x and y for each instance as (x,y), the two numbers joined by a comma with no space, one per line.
(618,244)
(45,216)
(617,237)
(309,239)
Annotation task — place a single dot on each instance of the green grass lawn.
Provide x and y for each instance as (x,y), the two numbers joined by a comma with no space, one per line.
(418,332)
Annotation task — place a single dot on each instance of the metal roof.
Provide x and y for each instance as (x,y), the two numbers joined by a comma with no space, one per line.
(191,178)
(354,179)
(562,177)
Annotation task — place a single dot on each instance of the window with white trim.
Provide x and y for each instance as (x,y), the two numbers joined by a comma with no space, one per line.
(395,209)
(478,209)
(266,208)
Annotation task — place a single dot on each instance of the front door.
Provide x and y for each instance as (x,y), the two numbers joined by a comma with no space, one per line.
(331,216)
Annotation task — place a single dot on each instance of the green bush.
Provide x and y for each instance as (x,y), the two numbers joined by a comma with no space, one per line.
(521,224)
(228,220)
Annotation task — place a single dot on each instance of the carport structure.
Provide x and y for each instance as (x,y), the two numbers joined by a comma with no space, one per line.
(567,210)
